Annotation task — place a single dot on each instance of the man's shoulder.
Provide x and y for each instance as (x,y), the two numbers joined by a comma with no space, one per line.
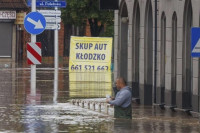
(126,90)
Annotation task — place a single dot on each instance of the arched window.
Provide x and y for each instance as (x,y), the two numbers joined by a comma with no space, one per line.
(135,48)
(148,54)
(123,42)
(187,62)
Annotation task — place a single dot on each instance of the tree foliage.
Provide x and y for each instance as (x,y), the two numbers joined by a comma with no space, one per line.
(78,12)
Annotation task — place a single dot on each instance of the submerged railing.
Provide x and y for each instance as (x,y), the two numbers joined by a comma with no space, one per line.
(94,105)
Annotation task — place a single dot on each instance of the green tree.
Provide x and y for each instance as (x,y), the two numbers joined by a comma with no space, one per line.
(78,12)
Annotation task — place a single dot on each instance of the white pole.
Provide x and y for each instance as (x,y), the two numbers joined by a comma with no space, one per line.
(56,45)
(33,67)
(55,95)
(55,62)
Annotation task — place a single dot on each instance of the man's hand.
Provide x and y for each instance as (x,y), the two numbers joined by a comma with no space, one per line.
(112,98)
(108,99)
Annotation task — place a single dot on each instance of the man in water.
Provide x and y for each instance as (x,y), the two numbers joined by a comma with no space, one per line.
(122,101)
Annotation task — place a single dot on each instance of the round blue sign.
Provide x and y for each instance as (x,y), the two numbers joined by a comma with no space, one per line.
(34,23)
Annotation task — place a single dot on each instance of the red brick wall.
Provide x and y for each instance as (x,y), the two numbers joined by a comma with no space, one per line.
(26,39)
(88,29)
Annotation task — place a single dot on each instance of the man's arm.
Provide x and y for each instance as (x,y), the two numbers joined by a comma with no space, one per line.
(119,100)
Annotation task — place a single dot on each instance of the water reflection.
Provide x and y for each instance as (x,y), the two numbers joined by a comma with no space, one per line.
(90,84)
(45,108)
(31,120)
(123,125)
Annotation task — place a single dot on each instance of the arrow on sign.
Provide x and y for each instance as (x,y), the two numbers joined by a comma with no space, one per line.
(197,48)
(38,24)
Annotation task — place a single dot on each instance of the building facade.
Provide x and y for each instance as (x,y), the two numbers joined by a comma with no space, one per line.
(162,71)
(10,29)
(14,37)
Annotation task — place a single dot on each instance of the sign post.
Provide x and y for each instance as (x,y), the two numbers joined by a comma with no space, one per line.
(56,61)
(34,23)
(56,44)
(53,21)
(33,67)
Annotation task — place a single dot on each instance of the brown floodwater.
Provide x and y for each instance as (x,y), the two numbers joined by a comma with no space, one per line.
(46,108)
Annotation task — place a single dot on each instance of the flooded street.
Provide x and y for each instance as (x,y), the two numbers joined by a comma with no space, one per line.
(48,109)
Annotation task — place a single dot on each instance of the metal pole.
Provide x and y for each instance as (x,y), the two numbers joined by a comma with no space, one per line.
(55,95)
(55,62)
(155,52)
(56,45)
(33,67)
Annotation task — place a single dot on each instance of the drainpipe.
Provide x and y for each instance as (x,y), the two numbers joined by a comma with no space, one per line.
(155,54)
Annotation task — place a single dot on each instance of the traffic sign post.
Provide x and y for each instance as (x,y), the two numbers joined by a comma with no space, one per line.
(195,42)
(53,23)
(56,45)
(33,67)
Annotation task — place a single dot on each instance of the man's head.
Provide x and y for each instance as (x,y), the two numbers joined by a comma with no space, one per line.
(120,83)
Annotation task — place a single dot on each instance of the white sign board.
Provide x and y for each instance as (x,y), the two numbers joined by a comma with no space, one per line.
(50,12)
(50,26)
(7,14)
(53,19)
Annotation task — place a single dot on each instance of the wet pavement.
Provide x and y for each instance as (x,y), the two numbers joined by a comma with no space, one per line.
(46,109)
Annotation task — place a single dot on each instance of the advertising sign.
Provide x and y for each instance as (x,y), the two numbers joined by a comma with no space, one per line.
(90,54)
(20,18)
(90,67)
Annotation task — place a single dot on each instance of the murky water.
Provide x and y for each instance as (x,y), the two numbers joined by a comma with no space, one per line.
(46,109)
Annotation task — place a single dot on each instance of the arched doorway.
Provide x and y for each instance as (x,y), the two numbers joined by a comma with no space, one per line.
(123,41)
(187,62)
(135,49)
(146,94)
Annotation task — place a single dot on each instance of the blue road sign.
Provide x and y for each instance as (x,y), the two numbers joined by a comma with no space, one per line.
(59,4)
(195,42)
(34,23)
